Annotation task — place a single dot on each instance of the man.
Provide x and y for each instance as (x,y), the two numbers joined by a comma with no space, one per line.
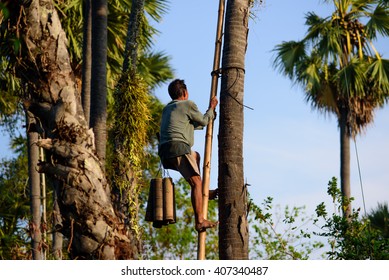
(180,118)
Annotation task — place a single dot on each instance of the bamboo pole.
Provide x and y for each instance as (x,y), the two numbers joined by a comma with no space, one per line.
(209,132)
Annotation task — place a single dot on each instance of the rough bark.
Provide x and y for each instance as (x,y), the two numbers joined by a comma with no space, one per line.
(233,228)
(89,221)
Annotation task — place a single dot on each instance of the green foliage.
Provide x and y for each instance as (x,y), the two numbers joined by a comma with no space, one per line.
(118,19)
(379,219)
(128,139)
(351,238)
(179,240)
(132,116)
(281,235)
(14,206)
(9,85)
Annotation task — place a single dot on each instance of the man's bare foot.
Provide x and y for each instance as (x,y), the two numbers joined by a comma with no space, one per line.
(213,194)
(200,227)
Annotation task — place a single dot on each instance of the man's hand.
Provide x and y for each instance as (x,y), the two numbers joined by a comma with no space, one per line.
(213,103)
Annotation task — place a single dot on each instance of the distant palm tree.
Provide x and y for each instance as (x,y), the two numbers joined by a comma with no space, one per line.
(340,70)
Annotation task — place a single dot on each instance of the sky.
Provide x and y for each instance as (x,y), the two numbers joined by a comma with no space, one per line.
(290,150)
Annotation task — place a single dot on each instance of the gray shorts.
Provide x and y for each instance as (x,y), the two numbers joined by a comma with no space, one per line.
(185,164)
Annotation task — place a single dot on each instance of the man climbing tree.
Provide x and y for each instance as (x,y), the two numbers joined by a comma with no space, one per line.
(179,119)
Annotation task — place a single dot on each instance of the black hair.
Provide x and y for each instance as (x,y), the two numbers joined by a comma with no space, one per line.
(177,89)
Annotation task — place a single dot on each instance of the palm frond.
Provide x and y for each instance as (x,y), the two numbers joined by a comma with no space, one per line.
(156,8)
(359,7)
(378,22)
(289,54)
(378,73)
(155,69)
(315,25)
(324,35)
(351,79)
(315,76)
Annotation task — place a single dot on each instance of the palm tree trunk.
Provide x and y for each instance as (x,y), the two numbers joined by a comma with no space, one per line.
(345,161)
(133,31)
(87,59)
(35,190)
(233,229)
(98,118)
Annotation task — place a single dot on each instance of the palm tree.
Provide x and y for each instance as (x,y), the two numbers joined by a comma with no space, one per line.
(233,229)
(340,70)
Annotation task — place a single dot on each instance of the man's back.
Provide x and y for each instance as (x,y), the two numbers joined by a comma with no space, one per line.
(179,119)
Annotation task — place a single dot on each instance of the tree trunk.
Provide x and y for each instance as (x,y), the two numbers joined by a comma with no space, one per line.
(133,31)
(233,229)
(57,224)
(89,221)
(345,161)
(87,59)
(35,190)
(98,118)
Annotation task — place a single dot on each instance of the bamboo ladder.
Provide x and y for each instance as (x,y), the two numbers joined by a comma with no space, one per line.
(209,132)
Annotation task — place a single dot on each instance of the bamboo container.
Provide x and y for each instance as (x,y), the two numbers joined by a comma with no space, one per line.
(169,206)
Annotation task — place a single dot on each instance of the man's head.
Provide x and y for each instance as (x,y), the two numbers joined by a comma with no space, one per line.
(177,89)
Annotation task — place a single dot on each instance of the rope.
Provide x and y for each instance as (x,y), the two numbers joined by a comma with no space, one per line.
(221,71)
(360,176)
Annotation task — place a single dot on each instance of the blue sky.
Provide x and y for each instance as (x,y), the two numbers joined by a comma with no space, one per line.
(290,150)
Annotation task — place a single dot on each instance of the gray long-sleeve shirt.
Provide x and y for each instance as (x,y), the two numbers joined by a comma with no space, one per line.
(179,120)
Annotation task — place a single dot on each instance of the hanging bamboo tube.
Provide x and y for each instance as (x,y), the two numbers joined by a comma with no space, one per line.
(168,201)
(209,132)
(158,202)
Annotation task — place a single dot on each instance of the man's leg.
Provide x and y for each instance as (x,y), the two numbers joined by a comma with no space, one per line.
(197,203)
(213,194)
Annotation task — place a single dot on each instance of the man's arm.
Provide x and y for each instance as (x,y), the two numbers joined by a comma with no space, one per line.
(198,119)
